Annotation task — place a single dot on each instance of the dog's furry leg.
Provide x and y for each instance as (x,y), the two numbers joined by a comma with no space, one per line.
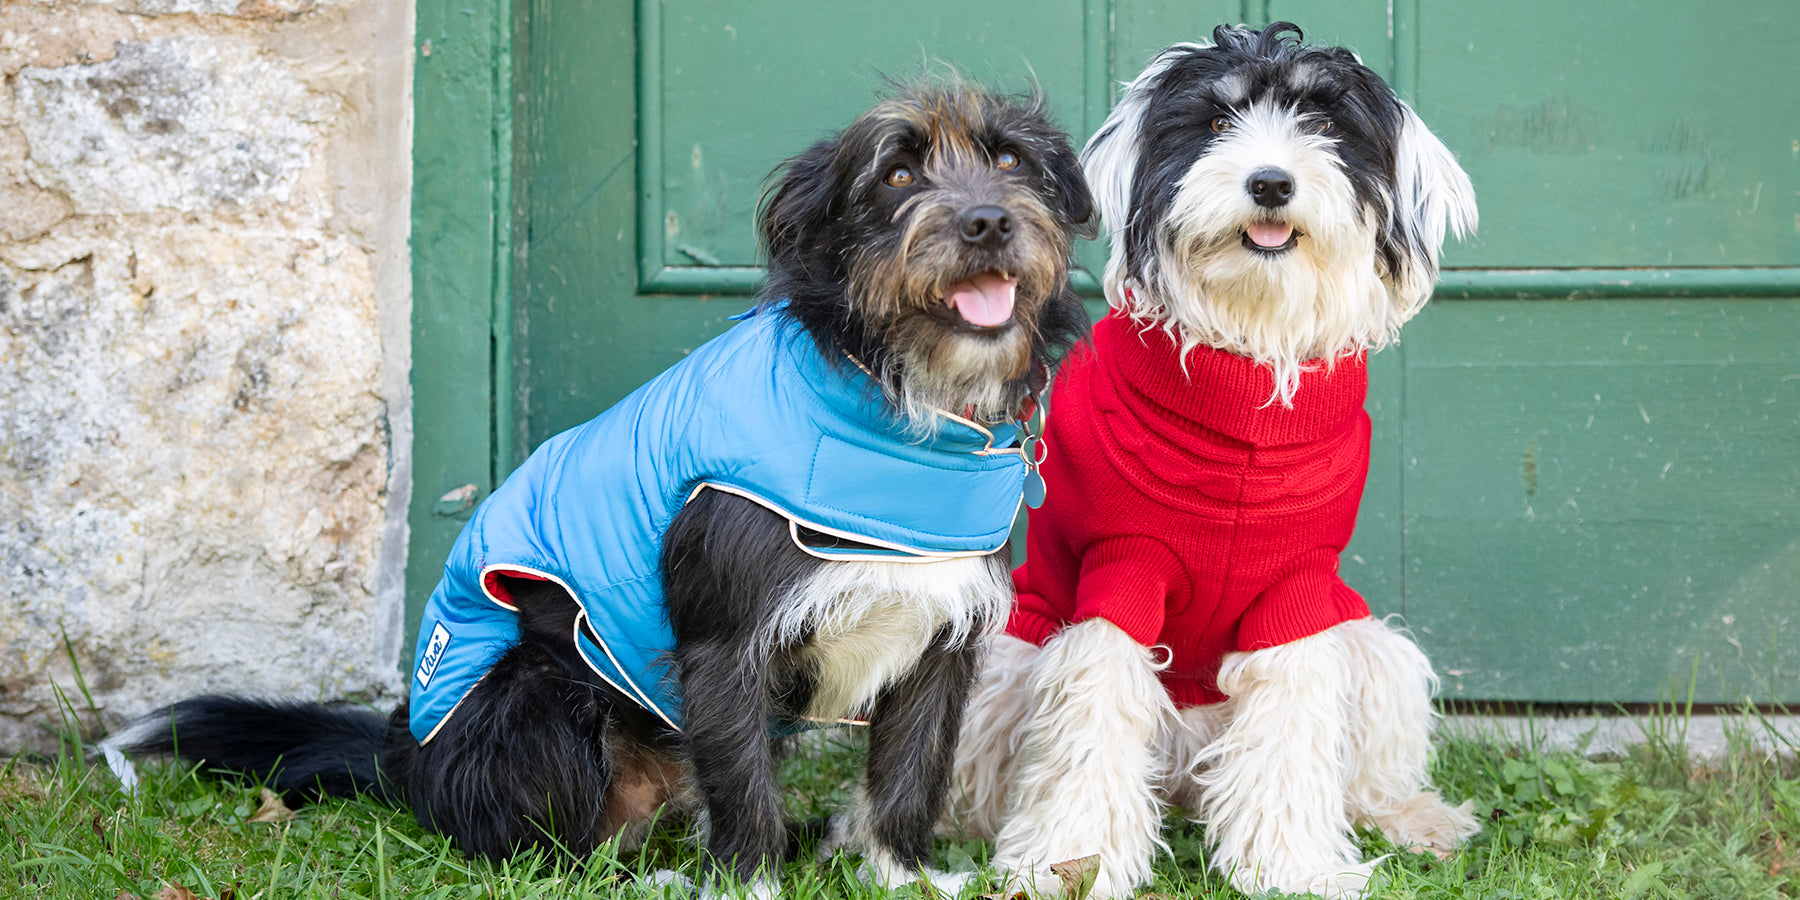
(1181,747)
(1275,781)
(987,751)
(726,713)
(1391,743)
(1088,764)
(911,752)
(726,562)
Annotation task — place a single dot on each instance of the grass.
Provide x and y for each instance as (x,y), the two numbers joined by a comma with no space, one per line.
(1650,824)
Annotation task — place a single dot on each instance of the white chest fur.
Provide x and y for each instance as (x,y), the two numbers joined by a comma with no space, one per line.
(870,621)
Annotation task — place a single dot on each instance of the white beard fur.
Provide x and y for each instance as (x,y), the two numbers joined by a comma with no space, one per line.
(1312,305)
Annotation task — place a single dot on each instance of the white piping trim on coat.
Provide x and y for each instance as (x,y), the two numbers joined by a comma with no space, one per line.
(451,711)
(989,435)
(641,697)
(582,616)
(846,556)
(793,520)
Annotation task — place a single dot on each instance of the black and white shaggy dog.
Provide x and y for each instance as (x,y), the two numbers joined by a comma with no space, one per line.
(921,255)
(1276,212)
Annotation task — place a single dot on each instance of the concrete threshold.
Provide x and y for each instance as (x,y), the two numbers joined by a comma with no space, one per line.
(1707,735)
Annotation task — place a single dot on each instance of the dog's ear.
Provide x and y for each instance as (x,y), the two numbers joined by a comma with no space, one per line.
(1069,187)
(1110,160)
(798,204)
(1432,195)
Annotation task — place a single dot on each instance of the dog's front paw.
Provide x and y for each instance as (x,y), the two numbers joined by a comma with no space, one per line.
(947,884)
(1426,823)
(1346,885)
(1348,882)
(1085,878)
(670,881)
(761,888)
(882,869)
(1033,881)
(834,836)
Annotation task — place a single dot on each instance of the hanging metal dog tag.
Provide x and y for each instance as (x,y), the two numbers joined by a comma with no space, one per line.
(1034,488)
(1034,451)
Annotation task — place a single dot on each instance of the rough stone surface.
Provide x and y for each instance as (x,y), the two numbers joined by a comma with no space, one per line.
(27,211)
(250,9)
(171,396)
(204,441)
(180,123)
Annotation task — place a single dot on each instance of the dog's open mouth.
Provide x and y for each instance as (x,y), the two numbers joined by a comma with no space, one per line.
(985,300)
(1270,237)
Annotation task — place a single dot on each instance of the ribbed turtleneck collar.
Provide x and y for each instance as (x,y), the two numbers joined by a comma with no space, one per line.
(1228,393)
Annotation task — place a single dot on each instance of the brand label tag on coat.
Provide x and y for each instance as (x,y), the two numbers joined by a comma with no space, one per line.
(434,653)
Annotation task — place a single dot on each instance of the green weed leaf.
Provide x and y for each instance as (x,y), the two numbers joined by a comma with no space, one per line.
(1640,881)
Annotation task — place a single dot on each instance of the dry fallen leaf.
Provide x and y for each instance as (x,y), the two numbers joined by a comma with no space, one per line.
(1077,875)
(272,809)
(126,895)
(177,892)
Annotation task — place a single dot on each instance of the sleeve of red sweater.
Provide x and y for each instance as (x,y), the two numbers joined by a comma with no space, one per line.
(1128,581)
(1305,601)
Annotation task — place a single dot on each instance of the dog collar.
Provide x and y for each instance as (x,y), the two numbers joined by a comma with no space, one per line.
(1028,422)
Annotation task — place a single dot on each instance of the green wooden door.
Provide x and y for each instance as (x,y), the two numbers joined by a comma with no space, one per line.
(1587,451)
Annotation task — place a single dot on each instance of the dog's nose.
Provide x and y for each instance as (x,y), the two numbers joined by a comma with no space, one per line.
(1271,187)
(988,226)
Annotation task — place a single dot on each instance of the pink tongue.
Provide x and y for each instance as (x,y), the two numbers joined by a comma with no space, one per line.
(1269,234)
(985,300)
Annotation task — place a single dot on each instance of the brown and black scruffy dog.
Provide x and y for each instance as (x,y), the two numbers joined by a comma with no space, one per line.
(918,296)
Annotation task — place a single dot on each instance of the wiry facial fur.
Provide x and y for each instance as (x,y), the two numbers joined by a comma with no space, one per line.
(1374,194)
(865,265)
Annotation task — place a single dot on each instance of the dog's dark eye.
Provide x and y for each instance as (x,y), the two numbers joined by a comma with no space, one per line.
(1322,126)
(1221,124)
(1006,159)
(900,176)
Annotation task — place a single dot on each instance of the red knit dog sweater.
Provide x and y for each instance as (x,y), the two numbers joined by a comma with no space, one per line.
(1187,509)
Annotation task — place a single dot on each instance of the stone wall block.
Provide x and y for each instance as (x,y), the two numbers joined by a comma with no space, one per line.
(27,211)
(204,410)
(192,464)
(47,34)
(183,123)
(248,9)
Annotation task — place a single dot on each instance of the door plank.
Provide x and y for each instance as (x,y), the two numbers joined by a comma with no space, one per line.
(1599,494)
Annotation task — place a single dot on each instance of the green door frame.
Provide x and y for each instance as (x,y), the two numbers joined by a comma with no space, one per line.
(462,256)
(464,253)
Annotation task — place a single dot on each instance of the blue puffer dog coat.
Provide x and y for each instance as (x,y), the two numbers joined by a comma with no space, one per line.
(758,412)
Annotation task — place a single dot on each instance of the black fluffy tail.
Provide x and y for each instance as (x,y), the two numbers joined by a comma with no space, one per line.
(301,750)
